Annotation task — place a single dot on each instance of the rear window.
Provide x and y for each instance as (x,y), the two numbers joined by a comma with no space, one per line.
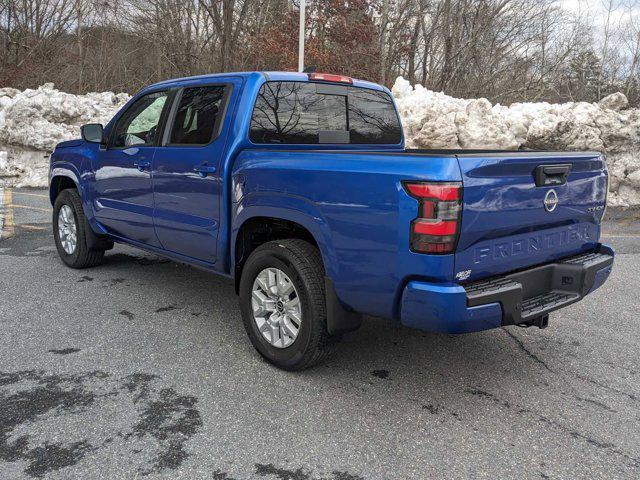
(314,113)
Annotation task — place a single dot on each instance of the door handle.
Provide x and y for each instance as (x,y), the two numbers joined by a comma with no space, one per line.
(141,164)
(204,170)
(131,150)
(551,175)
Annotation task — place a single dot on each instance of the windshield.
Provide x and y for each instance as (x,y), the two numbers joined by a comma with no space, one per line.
(313,113)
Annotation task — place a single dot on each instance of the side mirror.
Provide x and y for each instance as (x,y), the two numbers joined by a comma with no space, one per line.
(92,132)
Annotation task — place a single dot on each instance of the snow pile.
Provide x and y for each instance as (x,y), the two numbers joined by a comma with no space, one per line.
(32,122)
(436,120)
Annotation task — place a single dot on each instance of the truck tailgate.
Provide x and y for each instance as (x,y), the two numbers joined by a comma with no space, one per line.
(522,209)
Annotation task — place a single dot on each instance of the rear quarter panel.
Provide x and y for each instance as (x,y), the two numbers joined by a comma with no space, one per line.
(354,205)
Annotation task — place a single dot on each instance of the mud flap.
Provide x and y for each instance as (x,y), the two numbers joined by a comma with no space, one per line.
(339,319)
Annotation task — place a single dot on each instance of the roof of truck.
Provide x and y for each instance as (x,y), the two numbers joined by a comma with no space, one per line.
(277,76)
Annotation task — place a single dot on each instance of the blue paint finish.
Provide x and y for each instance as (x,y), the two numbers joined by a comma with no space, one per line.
(187,184)
(513,251)
(499,191)
(123,192)
(359,210)
(443,308)
(71,164)
(190,203)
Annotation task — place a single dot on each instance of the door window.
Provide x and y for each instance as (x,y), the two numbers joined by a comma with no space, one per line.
(138,126)
(198,115)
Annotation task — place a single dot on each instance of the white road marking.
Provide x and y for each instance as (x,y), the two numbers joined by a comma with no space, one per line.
(1,211)
(31,194)
(28,207)
(6,213)
(613,235)
(37,228)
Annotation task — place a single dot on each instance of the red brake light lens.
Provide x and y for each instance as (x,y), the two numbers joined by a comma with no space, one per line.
(330,77)
(426,227)
(440,191)
(437,227)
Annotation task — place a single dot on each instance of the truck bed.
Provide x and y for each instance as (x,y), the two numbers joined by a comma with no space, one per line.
(475,152)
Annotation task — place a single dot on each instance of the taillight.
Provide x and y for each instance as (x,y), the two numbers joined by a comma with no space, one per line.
(437,227)
(330,77)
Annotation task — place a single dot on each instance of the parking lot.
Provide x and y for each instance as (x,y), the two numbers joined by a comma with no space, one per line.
(141,368)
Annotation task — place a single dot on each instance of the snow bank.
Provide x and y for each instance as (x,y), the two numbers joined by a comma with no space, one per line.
(436,120)
(33,121)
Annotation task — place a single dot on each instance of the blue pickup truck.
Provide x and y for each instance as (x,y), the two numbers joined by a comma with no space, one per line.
(298,188)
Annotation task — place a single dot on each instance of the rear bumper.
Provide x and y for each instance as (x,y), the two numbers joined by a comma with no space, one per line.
(510,299)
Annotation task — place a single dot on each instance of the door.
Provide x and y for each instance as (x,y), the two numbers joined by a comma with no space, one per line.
(187,173)
(123,189)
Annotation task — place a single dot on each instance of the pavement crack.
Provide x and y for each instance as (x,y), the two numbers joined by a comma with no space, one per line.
(596,403)
(167,308)
(611,447)
(630,396)
(220,475)
(64,351)
(527,351)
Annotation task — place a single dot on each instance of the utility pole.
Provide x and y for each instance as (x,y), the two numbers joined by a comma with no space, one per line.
(79,12)
(301,36)
(384,21)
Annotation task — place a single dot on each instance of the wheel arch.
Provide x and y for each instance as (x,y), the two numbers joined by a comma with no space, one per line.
(260,229)
(274,224)
(301,213)
(61,180)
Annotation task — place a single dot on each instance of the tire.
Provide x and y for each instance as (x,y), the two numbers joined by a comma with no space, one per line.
(302,264)
(80,256)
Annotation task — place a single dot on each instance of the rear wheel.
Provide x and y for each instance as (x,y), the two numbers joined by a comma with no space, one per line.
(282,299)
(70,230)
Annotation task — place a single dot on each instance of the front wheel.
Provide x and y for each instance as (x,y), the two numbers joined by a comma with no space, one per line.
(282,299)
(70,230)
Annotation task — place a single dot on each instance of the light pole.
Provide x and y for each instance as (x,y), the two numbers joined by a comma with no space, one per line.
(301,36)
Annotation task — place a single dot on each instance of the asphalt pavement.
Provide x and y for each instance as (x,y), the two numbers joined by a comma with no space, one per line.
(141,368)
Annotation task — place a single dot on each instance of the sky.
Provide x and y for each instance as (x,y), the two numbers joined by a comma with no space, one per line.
(597,9)
(575,5)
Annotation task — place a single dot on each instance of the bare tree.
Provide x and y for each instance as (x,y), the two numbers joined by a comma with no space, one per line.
(506,50)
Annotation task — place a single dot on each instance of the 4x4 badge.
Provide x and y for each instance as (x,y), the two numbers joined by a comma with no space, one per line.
(550,200)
